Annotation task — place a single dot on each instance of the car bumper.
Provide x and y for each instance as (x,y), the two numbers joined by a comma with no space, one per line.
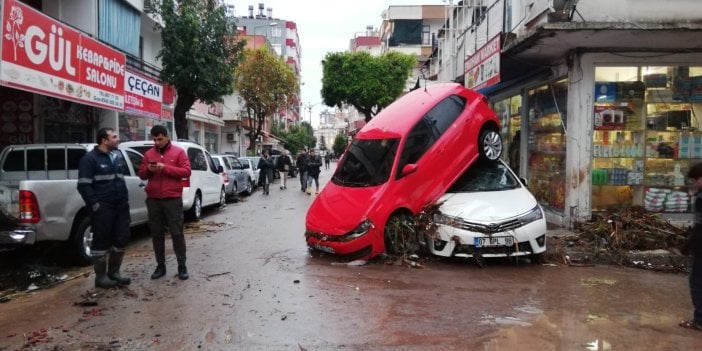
(357,248)
(23,236)
(455,242)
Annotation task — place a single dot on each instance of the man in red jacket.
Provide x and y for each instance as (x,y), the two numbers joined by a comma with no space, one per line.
(165,166)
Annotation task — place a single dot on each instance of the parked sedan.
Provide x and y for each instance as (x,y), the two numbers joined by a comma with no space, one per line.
(238,181)
(405,158)
(488,212)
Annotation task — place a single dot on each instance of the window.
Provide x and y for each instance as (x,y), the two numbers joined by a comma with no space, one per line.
(367,163)
(429,129)
(426,35)
(135,158)
(198,162)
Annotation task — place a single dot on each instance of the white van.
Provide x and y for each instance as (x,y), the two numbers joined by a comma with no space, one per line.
(206,185)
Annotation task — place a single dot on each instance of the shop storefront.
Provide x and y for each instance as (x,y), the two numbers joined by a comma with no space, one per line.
(55,98)
(646,135)
(613,131)
(143,105)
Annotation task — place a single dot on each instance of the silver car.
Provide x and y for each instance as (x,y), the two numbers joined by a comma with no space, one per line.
(237,181)
(251,165)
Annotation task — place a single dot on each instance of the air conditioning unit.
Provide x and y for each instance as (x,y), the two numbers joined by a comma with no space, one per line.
(230,137)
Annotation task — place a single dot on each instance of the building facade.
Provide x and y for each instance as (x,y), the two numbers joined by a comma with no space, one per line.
(598,108)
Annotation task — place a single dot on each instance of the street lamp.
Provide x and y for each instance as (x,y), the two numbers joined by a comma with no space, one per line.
(272,24)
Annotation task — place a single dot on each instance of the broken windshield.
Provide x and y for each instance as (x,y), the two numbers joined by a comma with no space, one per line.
(485,176)
(366,163)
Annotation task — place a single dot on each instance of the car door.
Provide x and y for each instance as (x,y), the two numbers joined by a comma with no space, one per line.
(424,149)
(213,180)
(135,187)
(240,173)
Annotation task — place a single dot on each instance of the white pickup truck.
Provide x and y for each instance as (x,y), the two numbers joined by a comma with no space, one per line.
(39,201)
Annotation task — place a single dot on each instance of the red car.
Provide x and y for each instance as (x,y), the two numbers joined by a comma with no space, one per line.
(402,160)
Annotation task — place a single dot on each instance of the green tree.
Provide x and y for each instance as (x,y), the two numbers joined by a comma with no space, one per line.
(267,84)
(340,143)
(199,54)
(368,83)
(297,137)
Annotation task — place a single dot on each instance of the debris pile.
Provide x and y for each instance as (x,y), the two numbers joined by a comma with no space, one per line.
(624,236)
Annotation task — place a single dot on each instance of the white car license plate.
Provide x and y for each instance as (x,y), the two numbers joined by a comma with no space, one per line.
(494,241)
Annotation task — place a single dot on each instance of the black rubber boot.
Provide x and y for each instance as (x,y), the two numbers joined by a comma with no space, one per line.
(113,265)
(102,281)
(159,272)
(183,272)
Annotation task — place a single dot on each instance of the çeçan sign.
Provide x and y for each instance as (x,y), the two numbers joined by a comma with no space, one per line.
(42,55)
(142,96)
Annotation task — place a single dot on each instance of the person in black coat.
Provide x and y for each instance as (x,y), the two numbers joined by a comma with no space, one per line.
(314,163)
(693,246)
(301,163)
(267,168)
(284,164)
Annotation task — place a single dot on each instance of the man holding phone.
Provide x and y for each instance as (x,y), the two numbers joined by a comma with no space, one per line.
(165,167)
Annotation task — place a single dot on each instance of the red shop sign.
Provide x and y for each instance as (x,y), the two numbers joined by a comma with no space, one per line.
(142,96)
(42,55)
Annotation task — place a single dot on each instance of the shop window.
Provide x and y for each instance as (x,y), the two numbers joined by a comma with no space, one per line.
(646,136)
(547,143)
(509,112)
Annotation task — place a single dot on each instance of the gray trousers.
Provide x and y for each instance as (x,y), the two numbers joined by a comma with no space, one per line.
(166,214)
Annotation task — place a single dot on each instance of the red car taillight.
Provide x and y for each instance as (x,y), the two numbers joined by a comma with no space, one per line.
(28,207)
(225,177)
(185,182)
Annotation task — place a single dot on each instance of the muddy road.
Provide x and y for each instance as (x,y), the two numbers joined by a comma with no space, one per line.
(254,286)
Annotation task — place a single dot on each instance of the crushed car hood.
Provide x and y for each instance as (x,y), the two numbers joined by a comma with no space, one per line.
(337,210)
(487,206)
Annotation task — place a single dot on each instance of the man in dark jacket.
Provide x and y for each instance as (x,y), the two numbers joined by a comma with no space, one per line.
(693,246)
(101,185)
(284,164)
(301,163)
(267,168)
(314,163)
(165,166)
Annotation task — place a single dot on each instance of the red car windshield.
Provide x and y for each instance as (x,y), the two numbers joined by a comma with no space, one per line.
(368,162)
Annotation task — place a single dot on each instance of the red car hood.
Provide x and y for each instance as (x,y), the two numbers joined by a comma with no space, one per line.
(337,210)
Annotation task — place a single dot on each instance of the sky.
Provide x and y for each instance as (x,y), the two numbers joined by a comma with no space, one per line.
(324,26)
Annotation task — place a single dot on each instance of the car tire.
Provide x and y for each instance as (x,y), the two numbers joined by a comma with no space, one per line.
(195,211)
(223,198)
(249,187)
(234,197)
(80,240)
(400,234)
(490,144)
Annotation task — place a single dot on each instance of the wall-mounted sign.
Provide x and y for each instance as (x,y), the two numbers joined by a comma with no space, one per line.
(40,54)
(142,95)
(483,67)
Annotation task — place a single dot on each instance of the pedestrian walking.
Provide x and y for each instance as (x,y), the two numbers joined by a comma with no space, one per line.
(693,246)
(327,160)
(267,168)
(101,185)
(301,163)
(165,166)
(314,163)
(284,164)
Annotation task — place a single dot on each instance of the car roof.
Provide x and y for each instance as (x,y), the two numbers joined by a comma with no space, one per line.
(399,118)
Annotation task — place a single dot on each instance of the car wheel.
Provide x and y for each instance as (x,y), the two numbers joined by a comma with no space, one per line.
(234,196)
(81,239)
(400,235)
(249,188)
(195,212)
(490,144)
(223,197)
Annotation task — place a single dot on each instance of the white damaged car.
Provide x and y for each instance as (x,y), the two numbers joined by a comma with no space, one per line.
(488,212)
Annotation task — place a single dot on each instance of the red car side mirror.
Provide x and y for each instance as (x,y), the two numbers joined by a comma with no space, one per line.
(409,169)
